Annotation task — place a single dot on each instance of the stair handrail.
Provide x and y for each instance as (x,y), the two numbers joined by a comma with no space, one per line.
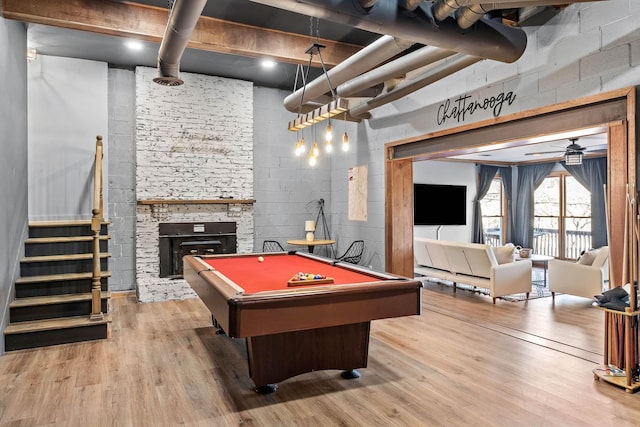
(96,225)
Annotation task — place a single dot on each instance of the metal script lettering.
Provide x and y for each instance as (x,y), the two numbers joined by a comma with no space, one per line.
(460,107)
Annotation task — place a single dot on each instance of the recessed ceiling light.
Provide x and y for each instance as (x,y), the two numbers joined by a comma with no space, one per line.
(268,63)
(133,44)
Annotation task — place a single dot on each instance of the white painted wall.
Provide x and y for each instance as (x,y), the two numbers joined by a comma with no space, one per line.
(67,109)
(13,160)
(450,173)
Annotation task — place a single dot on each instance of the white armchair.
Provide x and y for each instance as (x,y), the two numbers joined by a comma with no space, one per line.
(586,277)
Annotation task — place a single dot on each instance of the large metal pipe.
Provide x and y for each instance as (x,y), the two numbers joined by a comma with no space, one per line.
(393,69)
(410,4)
(443,8)
(367,58)
(471,11)
(182,20)
(487,39)
(467,16)
(508,4)
(439,71)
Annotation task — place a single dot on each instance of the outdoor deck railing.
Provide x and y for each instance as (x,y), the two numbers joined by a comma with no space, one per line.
(545,241)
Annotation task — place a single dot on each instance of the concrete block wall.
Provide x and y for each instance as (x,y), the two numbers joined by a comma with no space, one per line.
(588,48)
(363,151)
(121,209)
(287,189)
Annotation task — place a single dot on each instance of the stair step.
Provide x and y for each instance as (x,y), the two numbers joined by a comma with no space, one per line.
(41,333)
(52,324)
(67,257)
(59,277)
(54,299)
(36,240)
(64,223)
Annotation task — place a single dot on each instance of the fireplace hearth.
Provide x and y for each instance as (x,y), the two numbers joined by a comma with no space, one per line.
(178,239)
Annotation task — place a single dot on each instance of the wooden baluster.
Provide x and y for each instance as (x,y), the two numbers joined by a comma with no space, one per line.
(96,224)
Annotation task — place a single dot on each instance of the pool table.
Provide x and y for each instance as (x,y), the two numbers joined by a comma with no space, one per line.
(292,330)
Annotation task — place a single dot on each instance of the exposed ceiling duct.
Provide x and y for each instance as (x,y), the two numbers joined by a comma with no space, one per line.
(394,69)
(487,39)
(471,11)
(443,27)
(410,5)
(415,25)
(367,58)
(406,87)
(182,20)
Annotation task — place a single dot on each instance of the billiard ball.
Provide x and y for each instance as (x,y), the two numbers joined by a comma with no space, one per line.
(260,259)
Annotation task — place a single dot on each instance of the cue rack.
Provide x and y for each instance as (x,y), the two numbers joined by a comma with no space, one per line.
(621,327)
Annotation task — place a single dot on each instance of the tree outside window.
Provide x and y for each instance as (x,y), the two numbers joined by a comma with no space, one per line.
(562,217)
(492,206)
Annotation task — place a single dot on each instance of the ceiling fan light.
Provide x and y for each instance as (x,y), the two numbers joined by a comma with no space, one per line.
(573,158)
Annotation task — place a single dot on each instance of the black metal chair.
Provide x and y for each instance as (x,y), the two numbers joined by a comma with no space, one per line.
(353,254)
(272,246)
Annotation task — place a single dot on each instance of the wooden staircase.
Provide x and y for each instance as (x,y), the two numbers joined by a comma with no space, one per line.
(53,296)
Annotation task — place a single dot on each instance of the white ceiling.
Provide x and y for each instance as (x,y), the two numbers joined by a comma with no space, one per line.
(536,150)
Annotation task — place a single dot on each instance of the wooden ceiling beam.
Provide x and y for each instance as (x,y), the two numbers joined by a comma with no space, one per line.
(138,21)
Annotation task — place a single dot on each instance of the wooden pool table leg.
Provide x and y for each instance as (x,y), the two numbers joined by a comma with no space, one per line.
(274,358)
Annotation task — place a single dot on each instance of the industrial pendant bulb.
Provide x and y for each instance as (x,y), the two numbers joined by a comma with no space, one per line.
(345,142)
(328,133)
(300,148)
(329,146)
(313,154)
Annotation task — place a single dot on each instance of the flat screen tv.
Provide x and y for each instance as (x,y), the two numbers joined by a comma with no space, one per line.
(435,204)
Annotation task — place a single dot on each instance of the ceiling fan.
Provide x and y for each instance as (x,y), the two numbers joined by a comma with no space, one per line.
(573,148)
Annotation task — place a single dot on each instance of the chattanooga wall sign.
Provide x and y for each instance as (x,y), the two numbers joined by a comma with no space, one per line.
(462,107)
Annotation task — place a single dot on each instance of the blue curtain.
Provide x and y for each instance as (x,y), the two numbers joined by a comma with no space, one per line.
(483,182)
(507,185)
(529,178)
(592,174)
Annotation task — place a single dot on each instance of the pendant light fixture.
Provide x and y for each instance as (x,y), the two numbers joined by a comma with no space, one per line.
(326,112)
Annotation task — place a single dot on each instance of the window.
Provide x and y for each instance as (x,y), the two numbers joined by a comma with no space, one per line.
(562,217)
(577,218)
(492,206)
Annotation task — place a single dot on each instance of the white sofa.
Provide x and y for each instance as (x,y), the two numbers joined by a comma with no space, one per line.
(472,264)
(586,277)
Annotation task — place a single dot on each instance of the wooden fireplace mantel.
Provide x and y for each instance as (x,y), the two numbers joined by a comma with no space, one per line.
(195,201)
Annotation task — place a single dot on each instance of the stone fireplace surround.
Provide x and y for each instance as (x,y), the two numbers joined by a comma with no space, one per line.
(194,163)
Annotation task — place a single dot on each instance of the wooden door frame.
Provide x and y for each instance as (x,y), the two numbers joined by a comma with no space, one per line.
(614,110)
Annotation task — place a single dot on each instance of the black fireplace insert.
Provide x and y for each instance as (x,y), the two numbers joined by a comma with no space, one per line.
(178,239)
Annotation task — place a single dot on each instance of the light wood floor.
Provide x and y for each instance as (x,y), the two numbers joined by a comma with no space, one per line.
(463,362)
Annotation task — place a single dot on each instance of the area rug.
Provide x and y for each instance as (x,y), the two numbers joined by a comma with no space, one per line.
(538,290)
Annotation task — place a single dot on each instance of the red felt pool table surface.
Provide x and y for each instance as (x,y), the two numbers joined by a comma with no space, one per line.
(277,269)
